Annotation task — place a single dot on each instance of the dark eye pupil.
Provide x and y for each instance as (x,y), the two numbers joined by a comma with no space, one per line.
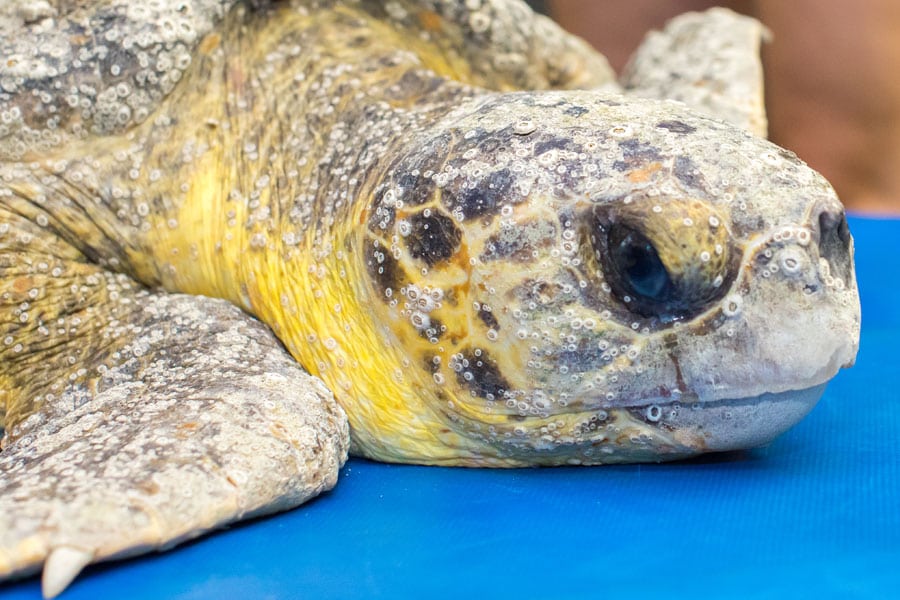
(628,252)
(640,265)
(639,270)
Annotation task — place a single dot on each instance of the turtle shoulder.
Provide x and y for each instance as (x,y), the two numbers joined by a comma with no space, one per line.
(496,44)
(74,69)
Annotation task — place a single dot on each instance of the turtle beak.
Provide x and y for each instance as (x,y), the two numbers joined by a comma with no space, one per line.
(751,422)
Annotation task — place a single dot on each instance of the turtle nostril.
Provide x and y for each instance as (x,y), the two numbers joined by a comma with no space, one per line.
(834,244)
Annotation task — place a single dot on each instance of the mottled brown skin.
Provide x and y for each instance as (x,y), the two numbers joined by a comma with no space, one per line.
(184,414)
(275,170)
(479,276)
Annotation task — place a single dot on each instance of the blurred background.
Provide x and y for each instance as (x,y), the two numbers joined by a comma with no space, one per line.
(832,79)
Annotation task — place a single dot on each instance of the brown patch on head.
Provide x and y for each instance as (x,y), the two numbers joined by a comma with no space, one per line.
(434,331)
(635,155)
(688,173)
(433,237)
(521,242)
(432,363)
(488,318)
(384,270)
(416,189)
(484,199)
(480,374)
(643,174)
(676,127)
(411,179)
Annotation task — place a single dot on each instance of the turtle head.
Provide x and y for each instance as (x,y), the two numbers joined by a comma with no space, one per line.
(579,278)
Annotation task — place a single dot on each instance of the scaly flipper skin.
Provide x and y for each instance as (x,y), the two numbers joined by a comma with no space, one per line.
(483,266)
(709,61)
(503,45)
(194,418)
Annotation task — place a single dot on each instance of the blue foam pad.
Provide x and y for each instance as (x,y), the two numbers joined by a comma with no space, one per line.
(815,514)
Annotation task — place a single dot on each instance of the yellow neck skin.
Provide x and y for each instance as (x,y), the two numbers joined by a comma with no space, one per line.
(317,300)
(229,235)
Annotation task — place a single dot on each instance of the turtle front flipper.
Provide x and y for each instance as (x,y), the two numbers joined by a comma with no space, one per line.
(710,61)
(136,420)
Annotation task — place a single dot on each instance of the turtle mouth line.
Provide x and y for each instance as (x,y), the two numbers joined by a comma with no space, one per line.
(691,400)
(733,423)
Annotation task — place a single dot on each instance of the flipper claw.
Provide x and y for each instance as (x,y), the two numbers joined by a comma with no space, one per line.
(63,564)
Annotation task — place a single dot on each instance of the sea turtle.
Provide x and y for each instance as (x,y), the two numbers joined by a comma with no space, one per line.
(240,239)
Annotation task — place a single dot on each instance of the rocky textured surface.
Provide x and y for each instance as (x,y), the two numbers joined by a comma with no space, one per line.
(75,70)
(195,418)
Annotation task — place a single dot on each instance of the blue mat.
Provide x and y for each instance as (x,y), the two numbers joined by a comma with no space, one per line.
(815,514)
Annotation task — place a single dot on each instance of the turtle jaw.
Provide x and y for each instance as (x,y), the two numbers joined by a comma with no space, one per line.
(750,422)
(732,423)
(790,322)
(669,429)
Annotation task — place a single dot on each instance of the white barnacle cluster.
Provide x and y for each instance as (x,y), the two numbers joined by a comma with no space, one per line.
(188,393)
(384,211)
(58,84)
(419,303)
(831,280)
(785,253)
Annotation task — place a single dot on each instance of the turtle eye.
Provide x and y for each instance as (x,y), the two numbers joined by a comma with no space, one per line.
(635,272)
(637,264)
(664,261)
